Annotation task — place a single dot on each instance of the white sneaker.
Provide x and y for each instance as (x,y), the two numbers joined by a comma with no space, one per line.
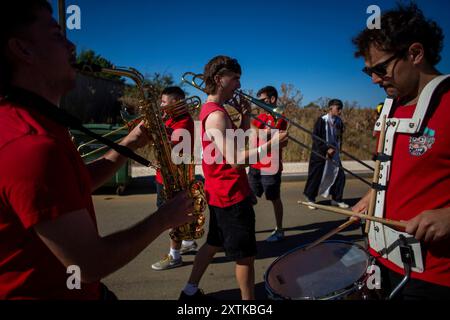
(311,207)
(276,235)
(188,248)
(342,205)
(167,262)
(310,202)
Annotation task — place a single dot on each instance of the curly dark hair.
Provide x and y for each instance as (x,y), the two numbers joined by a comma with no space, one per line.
(269,91)
(400,28)
(14,15)
(220,65)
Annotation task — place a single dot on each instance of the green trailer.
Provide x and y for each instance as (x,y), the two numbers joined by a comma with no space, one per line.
(91,150)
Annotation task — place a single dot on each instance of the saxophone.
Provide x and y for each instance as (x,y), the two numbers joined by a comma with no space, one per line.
(175,177)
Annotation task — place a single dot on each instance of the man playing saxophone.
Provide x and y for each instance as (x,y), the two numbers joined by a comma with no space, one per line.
(47,218)
(170,97)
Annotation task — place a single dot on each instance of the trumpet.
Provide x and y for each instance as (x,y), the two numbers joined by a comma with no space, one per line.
(180,108)
(197,81)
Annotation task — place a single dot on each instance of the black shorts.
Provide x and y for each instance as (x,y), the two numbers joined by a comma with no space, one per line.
(233,228)
(268,184)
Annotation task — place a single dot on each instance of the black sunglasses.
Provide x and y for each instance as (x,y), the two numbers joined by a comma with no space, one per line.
(380,68)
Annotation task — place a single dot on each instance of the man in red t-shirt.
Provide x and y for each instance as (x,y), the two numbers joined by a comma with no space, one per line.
(232,218)
(49,243)
(401,58)
(265,176)
(169,97)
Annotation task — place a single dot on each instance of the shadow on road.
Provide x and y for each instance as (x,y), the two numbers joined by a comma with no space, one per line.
(275,250)
(235,294)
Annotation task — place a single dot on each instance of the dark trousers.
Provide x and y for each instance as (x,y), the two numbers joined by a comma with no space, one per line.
(414,289)
(315,172)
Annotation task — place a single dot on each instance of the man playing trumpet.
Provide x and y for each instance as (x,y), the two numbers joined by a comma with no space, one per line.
(232,218)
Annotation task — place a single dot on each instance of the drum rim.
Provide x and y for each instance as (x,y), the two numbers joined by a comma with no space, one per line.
(346,290)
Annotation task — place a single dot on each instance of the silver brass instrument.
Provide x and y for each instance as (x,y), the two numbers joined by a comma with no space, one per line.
(196,81)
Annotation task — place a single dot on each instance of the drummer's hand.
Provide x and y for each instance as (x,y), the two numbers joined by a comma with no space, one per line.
(137,138)
(363,205)
(430,226)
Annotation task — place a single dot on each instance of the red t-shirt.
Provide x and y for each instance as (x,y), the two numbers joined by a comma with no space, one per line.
(42,178)
(281,124)
(420,180)
(224,185)
(186,123)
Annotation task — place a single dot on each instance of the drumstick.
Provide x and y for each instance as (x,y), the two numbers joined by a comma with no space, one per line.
(392,223)
(376,175)
(330,234)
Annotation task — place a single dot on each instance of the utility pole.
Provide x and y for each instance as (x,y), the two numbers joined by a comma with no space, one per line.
(62,15)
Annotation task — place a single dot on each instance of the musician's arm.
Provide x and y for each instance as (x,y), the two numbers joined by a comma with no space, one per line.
(246,111)
(74,240)
(245,122)
(363,205)
(103,168)
(216,126)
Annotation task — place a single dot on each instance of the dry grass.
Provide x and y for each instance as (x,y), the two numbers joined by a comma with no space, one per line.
(358,138)
(359,123)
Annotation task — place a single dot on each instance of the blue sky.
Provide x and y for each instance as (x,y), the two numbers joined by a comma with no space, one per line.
(304,43)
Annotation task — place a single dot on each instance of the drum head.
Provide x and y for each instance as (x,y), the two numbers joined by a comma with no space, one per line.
(322,272)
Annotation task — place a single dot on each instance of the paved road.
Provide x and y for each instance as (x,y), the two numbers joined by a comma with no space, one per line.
(138,281)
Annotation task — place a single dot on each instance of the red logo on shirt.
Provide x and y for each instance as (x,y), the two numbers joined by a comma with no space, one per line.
(418,146)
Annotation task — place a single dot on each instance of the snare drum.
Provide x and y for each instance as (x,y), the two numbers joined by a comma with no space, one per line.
(331,270)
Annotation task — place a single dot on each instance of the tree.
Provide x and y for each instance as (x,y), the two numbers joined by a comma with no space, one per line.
(322,102)
(290,97)
(312,105)
(91,58)
(156,81)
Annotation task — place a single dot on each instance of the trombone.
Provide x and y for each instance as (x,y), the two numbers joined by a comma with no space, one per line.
(196,81)
(180,108)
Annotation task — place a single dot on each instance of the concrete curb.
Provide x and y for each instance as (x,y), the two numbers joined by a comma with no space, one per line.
(293,177)
(293,171)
